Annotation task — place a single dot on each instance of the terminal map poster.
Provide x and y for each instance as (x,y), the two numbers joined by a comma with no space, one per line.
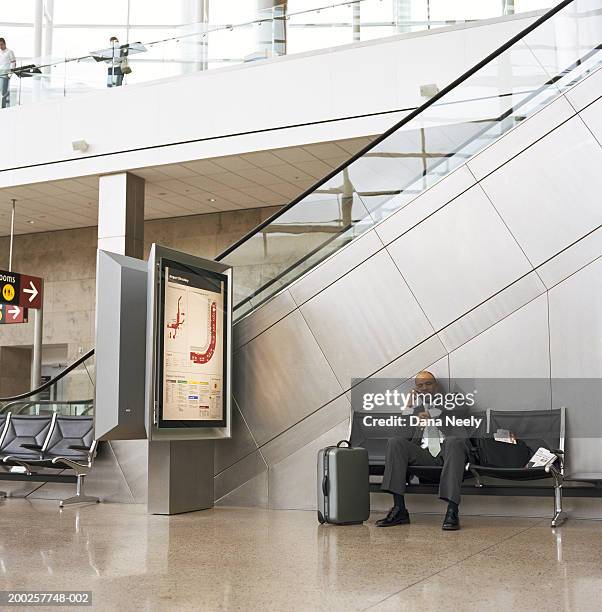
(193,347)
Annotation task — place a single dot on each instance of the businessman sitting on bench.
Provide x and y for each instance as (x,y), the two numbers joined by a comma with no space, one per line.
(429,446)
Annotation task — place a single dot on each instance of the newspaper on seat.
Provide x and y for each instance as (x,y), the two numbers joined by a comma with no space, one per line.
(541,458)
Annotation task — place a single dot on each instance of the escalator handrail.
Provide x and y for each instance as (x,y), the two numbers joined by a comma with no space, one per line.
(52,381)
(419,110)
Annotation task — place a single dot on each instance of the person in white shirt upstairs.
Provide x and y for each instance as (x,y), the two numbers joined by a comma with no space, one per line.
(8,63)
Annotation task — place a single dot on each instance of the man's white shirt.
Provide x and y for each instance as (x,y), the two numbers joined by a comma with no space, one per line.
(7,61)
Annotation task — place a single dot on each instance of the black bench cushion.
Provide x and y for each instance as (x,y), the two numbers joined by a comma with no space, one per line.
(511,473)
(31,430)
(432,474)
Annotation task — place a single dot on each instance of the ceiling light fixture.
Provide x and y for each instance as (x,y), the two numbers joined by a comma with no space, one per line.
(32,222)
(211,200)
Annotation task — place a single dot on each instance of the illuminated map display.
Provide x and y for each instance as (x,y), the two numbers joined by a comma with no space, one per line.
(193,346)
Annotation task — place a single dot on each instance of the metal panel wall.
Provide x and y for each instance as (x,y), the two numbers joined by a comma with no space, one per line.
(549,195)
(586,92)
(576,352)
(366,319)
(493,310)
(515,349)
(458,258)
(335,266)
(592,117)
(282,376)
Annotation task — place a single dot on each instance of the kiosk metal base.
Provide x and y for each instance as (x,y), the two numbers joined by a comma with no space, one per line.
(180,476)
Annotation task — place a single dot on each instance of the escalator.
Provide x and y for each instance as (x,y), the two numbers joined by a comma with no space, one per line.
(451,242)
(73,383)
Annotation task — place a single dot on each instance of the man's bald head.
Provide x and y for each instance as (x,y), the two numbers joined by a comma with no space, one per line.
(425,382)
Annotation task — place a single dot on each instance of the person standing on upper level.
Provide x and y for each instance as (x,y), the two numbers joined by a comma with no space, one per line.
(117,63)
(8,63)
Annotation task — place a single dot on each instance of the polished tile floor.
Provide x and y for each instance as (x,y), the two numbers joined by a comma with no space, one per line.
(249,559)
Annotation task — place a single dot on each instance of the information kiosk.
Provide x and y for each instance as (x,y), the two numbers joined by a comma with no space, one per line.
(188,376)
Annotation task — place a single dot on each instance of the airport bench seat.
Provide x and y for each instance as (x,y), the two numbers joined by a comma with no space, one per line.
(537,428)
(32,443)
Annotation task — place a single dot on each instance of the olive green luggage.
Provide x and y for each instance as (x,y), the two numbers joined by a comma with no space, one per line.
(343,485)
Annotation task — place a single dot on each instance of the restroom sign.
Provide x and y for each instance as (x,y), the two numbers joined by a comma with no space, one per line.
(20,290)
(12,314)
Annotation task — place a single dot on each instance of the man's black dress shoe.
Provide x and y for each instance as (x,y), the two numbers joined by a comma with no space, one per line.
(451,522)
(396,516)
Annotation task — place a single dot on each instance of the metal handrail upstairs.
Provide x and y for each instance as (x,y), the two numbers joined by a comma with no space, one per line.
(412,115)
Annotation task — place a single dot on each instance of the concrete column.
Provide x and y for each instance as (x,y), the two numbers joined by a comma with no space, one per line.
(38,25)
(195,48)
(121,214)
(356,22)
(37,45)
(271,34)
(403,14)
(49,28)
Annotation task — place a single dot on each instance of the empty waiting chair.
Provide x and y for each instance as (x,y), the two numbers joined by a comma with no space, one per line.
(536,428)
(24,438)
(72,438)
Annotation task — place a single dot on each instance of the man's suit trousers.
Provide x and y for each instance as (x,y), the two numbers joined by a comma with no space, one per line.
(401,453)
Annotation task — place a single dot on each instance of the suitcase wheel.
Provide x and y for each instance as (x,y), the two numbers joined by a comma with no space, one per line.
(321,518)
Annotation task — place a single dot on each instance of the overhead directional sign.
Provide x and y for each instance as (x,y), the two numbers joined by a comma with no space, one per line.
(20,290)
(12,314)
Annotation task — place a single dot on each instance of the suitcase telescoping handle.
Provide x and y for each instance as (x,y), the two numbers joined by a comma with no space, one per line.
(325,481)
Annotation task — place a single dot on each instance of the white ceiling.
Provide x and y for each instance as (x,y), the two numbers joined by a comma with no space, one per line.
(252,180)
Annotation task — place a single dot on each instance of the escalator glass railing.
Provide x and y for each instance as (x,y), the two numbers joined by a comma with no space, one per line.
(70,393)
(511,84)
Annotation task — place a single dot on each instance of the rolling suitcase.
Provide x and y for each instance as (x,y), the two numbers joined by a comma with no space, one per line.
(343,485)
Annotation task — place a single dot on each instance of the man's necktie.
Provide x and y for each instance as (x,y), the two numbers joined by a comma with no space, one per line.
(432,440)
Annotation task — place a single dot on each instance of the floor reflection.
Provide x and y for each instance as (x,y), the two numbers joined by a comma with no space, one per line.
(283,560)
